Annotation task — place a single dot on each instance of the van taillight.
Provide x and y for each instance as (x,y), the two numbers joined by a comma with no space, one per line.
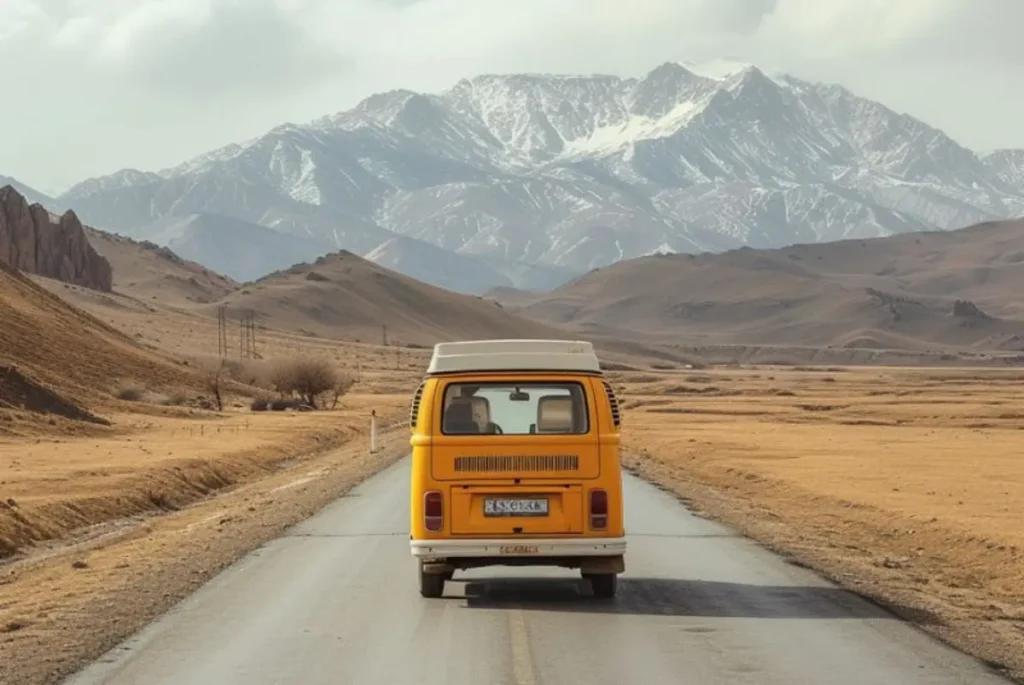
(598,509)
(433,511)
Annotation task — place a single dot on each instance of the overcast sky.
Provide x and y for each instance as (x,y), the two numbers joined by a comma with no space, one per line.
(92,86)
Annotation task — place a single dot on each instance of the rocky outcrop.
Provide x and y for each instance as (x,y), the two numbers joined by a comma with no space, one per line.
(35,241)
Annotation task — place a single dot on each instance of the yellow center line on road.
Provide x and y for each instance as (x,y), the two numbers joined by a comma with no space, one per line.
(522,662)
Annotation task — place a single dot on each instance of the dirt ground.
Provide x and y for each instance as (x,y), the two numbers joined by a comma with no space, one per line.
(245,479)
(53,488)
(117,506)
(906,485)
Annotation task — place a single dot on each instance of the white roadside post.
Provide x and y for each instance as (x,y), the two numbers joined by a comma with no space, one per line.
(373,431)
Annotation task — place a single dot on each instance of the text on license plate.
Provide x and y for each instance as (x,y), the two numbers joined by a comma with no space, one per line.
(518,550)
(515,506)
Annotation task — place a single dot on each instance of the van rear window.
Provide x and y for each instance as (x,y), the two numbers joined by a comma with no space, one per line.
(515,409)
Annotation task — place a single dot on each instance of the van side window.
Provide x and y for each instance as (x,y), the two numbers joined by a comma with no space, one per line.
(510,408)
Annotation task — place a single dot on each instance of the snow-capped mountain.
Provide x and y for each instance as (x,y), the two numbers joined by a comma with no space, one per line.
(568,173)
(1008,165)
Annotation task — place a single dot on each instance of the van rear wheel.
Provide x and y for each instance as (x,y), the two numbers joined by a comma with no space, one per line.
(604,585)
(431,584)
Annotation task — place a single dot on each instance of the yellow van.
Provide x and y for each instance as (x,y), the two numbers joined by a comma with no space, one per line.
(515,462)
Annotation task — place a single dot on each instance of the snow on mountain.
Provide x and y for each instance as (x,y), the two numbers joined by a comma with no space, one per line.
(1008,166)
(717,69)
(125,178)
(569,173)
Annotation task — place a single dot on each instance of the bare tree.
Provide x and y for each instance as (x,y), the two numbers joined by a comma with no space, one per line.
(341,388)
(281,377)
(214,376)
(309,378)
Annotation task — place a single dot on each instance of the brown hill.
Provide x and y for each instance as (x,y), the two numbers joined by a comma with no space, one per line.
(154,295)
(345,296)
(914,291)
(137,275)
(150,272)
(63,357)
(35,241)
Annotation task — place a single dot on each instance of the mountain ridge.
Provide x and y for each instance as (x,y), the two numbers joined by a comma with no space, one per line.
(571,172)
(882,300)
(953,289)
(28,192)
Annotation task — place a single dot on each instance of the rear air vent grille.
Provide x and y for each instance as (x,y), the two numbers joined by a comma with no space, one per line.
(414,410)
(614,402)
(518,463)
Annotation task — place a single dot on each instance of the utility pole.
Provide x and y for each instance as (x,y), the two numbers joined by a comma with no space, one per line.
(247,335)
(252,333)
(222,331)
(384,335)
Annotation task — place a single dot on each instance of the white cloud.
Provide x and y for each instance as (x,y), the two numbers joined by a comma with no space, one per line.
(18,16)
(146,83)
(197,49)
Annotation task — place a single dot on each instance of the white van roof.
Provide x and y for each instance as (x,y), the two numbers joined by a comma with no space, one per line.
(514,355)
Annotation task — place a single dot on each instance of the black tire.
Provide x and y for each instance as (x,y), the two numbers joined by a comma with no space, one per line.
(604,585)
(431,584)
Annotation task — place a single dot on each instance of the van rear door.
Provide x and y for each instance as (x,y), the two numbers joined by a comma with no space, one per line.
(516,452)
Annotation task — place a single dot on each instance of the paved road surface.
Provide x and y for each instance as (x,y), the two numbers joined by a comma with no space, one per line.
(335,602)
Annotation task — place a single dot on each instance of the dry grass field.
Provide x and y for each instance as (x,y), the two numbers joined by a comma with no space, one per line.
(122,489)
(101,532)
(64,604)
(906,485)
(150,464)
(97,425)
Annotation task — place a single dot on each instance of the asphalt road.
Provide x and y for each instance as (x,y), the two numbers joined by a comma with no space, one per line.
(336,602)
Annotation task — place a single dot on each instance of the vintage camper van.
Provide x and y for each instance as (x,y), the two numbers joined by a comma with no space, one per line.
(515,461)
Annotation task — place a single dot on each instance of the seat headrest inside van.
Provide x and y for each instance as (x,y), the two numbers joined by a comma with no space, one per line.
(554,415)
(458,417)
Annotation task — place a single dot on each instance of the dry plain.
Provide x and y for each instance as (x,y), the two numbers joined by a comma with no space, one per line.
(904,484)
(107,522)
(105,531)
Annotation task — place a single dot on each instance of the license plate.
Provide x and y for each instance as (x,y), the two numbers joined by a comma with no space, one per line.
(507,506)
(518,550)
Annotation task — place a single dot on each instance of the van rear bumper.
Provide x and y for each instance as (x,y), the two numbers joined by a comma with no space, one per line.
(518,547)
